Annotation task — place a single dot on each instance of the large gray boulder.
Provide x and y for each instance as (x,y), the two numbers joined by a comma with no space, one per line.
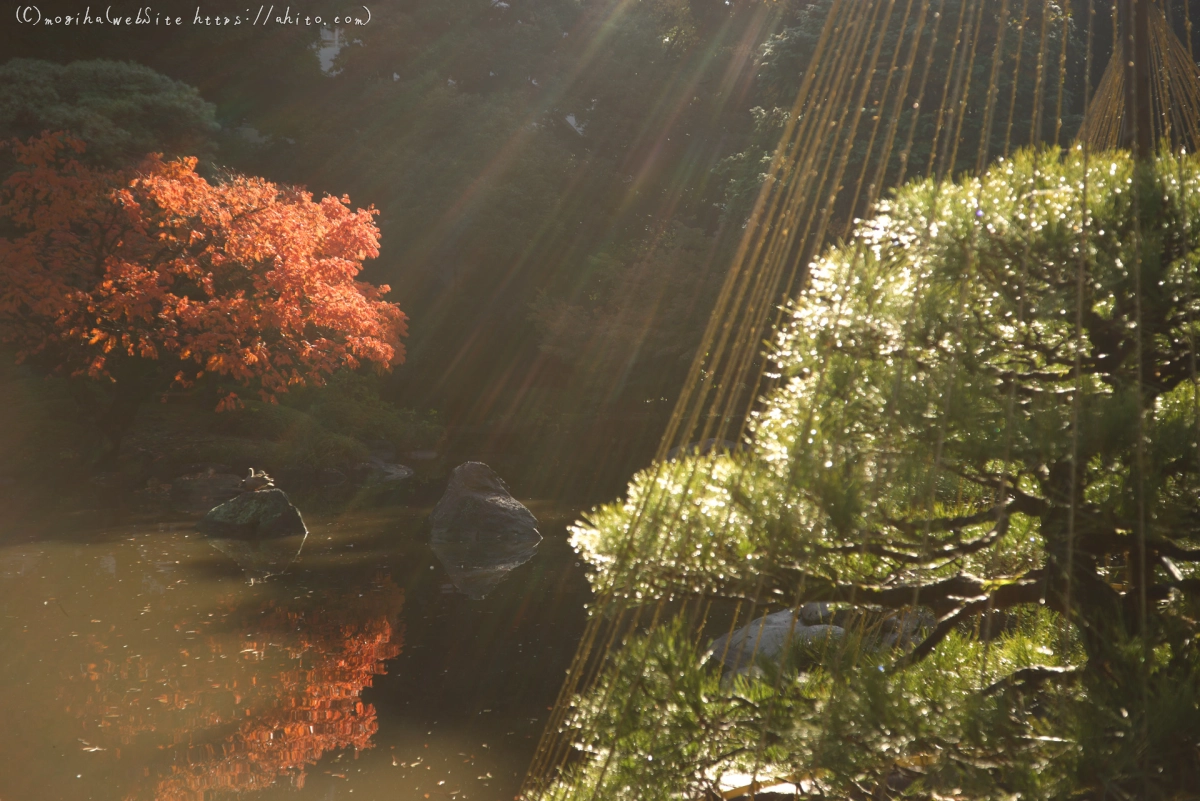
(262,531)
(480,532)
(765,638)
(815,624)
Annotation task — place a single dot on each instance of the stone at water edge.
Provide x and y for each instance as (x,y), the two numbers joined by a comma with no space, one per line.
(480,532)
(477,507)
(265,514)
(395,472)
(262,531)
(376,472)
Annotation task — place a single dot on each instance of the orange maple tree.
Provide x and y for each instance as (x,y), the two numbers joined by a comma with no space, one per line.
(154,275)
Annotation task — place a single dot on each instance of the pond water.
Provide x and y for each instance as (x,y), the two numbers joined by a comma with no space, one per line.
(139,663)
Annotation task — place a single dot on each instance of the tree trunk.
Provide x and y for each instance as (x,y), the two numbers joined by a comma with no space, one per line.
(133,385)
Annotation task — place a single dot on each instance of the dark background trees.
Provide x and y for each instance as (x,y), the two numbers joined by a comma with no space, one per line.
(561,183)
(123,110)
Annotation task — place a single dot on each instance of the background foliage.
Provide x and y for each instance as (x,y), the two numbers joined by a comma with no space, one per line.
(561,183)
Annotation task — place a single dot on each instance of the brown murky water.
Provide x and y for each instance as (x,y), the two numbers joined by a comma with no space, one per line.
(136,662)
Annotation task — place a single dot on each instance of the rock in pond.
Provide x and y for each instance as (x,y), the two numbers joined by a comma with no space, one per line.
(261,531)
(376,472)
(480,532)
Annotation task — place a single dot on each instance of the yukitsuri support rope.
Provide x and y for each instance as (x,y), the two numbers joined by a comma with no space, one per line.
(1077,368)
(962,90)
(1012,96)
(950,74)
(920,96)
(1140,467)
(766,720)
(776,234)
(542,760)
(985,138)
(883,98)
(789,247)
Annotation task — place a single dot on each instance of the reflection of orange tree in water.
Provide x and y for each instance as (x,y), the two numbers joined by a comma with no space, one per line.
(263,698)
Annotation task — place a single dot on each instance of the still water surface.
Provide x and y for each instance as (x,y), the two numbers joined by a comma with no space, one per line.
(137,662)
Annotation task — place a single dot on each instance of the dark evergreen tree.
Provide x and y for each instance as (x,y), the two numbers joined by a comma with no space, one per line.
(122,111)
(986,409)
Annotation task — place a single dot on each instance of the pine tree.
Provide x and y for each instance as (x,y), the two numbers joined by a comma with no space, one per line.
(986,410)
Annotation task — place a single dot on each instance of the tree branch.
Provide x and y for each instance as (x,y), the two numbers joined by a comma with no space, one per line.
(1031,678)
(1022,591)
(1170,548)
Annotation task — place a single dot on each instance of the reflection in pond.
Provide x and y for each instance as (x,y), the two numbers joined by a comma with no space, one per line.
(258,695)
(480,532)
(477,568)
(259,528)
(261,558)
(138,663)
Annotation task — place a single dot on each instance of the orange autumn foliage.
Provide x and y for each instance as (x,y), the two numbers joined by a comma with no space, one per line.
(241,278)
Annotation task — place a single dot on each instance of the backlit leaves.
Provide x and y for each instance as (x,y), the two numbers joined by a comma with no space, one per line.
(245,279)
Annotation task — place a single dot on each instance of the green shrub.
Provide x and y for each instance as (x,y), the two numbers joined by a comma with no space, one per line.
(269,421)
(350,404)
